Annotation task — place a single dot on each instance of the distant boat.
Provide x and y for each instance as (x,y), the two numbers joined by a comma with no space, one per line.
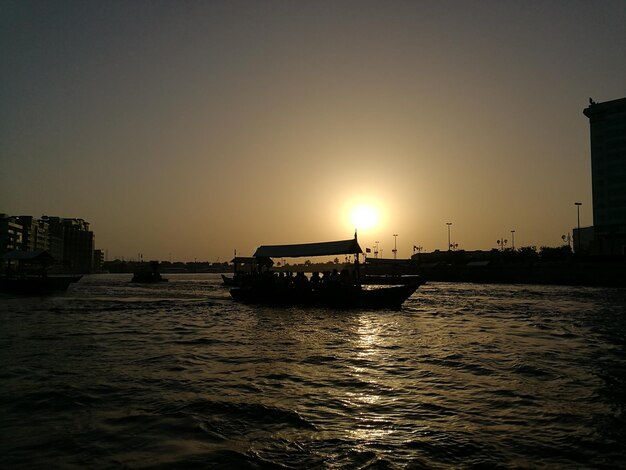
(26,274)
(149,274)
(337,290)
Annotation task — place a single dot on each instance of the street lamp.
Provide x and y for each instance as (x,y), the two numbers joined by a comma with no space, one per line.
(513,239)
(567,239)
(449,244)
(502,243)
(578,204)
(395,246)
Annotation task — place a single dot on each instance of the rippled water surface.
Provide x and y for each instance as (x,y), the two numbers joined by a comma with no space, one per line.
(114,374)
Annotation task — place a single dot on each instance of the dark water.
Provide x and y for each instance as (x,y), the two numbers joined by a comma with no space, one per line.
(113,374)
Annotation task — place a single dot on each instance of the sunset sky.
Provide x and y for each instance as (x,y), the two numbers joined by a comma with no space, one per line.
(189,129)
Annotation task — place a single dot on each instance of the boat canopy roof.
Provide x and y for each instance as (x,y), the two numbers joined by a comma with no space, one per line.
(342,247)
(251,260)
(244,260)
(38,256)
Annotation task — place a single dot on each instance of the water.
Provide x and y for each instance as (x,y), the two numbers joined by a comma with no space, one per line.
(113,374)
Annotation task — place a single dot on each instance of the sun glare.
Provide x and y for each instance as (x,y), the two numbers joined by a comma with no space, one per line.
(364,217)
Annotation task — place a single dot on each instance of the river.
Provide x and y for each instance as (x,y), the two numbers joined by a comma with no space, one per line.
(113,374)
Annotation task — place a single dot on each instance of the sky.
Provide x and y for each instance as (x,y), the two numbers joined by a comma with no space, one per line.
(186,130)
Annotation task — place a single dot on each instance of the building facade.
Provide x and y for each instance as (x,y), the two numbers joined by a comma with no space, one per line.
(607,122)
(69,241)
(98,260)
(76,245)
(35,234)
(10,234)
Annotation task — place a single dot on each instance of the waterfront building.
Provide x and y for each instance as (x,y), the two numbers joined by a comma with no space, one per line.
(35,234)
(10,234)
(68,241)
(77,243)
(607,123)
(98,260)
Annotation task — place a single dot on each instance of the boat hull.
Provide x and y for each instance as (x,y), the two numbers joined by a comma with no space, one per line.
(392,280)
(31,285)
(148,278)
(337,297)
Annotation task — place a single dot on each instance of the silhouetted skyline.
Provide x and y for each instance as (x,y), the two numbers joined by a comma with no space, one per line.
(189,129)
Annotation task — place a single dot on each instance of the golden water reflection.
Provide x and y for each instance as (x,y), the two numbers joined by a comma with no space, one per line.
(367,405)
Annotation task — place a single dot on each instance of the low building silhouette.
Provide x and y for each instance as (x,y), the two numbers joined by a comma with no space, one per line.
(98,260)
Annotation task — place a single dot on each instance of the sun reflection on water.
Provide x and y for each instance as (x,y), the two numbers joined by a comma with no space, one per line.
(366,405)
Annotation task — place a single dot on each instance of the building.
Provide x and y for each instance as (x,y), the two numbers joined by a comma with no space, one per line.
(607,123)
(68,241)
(10,234)
(98,260)
(35,234)
(583,239)
(77,243)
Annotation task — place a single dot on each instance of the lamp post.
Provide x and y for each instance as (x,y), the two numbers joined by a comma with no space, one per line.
(513,239)
(395,246)
(567,239)
(502,243)
(449,244)
(578,204)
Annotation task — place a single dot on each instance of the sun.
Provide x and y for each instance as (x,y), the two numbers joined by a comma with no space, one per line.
(364,217)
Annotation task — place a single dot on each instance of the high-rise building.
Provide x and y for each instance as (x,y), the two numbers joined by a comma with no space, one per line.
(77,241)
(607,123)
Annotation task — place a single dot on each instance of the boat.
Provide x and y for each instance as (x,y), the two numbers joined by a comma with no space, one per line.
(36,285)
(342,297)
(244,268)
(26,273)
(391,279)
(148,275)
(336,290)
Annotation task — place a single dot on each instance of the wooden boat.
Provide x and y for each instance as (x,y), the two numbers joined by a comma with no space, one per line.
(36,285)
(337,297)
(343,290)
(244,268)
(148,275)
(26,273)
(391,280)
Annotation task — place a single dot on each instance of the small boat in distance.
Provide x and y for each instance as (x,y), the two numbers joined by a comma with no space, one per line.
(149,274)
(333,289)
